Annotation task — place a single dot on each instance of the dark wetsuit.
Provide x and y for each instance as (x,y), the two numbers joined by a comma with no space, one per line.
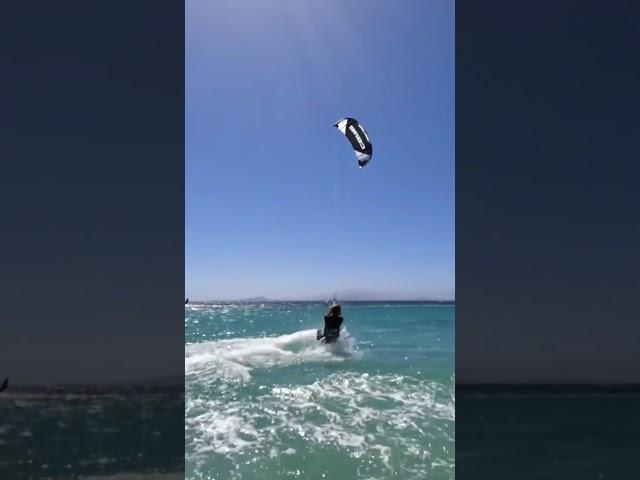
(332,322)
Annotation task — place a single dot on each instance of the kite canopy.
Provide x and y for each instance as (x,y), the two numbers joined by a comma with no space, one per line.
(357,136)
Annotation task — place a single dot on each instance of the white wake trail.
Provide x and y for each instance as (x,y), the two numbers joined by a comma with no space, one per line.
(235,358)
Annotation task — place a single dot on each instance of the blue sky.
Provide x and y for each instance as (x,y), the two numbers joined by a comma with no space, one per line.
(275,203)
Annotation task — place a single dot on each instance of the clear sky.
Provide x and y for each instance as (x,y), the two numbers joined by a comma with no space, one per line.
(275,203)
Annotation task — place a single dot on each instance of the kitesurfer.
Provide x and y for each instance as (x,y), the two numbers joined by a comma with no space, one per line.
(5,384)
(332,322)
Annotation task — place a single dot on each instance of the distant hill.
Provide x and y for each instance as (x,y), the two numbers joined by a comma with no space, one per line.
(347,295)
(254,300)
(241,300)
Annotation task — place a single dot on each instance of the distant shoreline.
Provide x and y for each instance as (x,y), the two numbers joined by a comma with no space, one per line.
(262,301)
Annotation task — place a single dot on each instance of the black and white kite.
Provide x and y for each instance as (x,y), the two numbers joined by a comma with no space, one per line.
(357,136)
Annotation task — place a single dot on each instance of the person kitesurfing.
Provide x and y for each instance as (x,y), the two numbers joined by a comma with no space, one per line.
(332,322)
(363,148)
(5,384)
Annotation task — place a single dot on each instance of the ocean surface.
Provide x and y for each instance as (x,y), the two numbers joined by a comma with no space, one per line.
(265,400)
(91,432)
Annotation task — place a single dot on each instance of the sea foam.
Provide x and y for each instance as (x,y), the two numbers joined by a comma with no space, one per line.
(234,359)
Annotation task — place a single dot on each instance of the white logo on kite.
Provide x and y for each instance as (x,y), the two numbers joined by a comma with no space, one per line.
(355,134)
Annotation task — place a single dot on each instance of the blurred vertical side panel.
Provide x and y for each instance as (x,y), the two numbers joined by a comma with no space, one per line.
(547,229)
(92,239)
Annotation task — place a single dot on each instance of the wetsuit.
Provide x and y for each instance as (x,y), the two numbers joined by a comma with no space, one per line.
(332,322)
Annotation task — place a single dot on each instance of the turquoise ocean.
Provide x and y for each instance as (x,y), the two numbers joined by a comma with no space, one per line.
(265,400)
